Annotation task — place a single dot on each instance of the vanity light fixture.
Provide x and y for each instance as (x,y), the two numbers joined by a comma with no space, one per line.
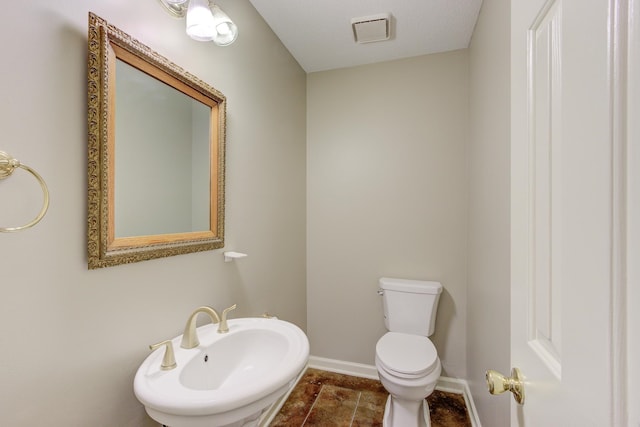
(205,20)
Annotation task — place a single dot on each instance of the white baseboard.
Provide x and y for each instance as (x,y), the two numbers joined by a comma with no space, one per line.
(458,386)
(451,385)
(348,368)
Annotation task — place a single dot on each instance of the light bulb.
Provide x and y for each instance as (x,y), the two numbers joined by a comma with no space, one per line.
(200,22)
(226,31)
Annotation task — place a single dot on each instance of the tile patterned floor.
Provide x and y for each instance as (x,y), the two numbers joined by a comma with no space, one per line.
(326,399)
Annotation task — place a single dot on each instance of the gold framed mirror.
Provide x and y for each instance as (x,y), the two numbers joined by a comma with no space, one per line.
(156,154)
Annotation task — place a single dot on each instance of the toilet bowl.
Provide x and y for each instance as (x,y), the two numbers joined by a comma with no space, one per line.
(408,368)
(406,359)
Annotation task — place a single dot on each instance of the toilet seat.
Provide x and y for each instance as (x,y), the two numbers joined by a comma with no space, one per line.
(406,355)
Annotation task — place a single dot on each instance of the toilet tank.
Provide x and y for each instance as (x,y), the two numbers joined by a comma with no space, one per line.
(410,305)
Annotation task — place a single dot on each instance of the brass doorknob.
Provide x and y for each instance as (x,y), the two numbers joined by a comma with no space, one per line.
(498,383)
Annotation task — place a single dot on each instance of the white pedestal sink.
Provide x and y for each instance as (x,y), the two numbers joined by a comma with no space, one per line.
(229,379)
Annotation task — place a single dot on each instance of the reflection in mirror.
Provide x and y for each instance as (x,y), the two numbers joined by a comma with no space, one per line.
(156,154)
(151,114)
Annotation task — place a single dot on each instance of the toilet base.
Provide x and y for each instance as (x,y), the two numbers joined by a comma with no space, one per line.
(406,413)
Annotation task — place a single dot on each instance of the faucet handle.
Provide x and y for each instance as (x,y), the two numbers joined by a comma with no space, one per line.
(169,360)
(224,328)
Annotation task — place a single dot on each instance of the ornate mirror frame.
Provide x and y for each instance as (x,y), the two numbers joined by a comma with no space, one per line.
(106,44)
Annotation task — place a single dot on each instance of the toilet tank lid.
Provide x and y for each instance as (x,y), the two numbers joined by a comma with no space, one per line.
(407,285)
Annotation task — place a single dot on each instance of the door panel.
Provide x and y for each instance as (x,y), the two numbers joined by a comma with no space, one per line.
(545,198)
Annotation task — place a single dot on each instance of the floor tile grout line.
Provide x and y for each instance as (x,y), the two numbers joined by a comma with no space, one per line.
(312,405)
(355,409)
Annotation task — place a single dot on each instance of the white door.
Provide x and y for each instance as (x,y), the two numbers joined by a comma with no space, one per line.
(564,212)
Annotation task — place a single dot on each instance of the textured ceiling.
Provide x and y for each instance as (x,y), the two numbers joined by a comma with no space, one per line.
(318,32)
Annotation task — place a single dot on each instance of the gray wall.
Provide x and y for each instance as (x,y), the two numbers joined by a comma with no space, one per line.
(387,196)
(488,343)
(71,339)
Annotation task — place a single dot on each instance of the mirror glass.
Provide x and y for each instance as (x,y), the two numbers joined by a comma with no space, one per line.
(156,154)
(167,192)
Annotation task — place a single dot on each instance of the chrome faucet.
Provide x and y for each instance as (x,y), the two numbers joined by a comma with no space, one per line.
(190,337)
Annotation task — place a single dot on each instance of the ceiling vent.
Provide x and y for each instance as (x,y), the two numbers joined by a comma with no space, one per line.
(374,28)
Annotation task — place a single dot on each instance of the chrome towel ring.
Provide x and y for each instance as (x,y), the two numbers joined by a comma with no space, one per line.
(7,165)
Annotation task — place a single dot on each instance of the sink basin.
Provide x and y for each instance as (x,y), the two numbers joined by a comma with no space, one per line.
(229,379)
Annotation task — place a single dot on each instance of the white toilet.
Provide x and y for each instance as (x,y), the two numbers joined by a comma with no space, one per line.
(406,359)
